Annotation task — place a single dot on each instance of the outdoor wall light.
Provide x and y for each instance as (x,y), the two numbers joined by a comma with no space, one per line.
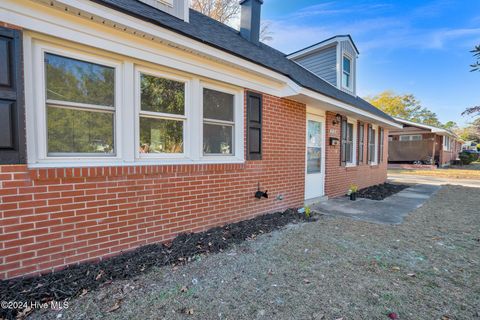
(337,120)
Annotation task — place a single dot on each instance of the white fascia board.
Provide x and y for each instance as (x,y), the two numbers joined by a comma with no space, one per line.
(349,108)
(319,46)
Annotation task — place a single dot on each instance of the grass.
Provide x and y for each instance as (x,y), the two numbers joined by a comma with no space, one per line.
(471,171)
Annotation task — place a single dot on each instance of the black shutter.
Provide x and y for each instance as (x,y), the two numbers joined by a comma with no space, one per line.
(254,126)
(343,142)
(12,110)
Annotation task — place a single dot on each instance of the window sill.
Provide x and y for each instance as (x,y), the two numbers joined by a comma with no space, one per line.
(142,162)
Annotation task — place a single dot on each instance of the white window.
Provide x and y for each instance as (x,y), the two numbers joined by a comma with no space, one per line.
(348,142)
(218,122)
(162,115)
(372,144)
(347,72)
(411,137)
(351,143)
(446,143)
(84,110)
(80,107)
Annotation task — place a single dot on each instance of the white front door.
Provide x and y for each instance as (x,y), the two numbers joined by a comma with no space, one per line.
(315,157)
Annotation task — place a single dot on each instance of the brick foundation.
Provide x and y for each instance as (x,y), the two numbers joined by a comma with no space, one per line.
(51,218)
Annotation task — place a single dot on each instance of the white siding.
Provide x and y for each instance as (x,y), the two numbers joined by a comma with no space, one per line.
(323,63)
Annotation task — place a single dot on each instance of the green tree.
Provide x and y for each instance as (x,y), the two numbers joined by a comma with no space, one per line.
(450,125)
(404,106)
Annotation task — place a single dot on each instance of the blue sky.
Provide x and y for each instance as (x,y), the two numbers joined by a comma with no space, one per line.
(418,47)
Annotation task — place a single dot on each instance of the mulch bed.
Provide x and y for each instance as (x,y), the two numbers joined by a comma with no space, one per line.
(381,191)
(78,279)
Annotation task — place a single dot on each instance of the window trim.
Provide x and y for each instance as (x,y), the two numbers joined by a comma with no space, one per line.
(361,143)
(353,122)
(40,105)
(139,70)
(237,123)
(350,73)
(447,143)
(125,118)
(375,133)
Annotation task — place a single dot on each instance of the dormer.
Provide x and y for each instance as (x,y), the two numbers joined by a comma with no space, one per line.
(334,60)
(177,8)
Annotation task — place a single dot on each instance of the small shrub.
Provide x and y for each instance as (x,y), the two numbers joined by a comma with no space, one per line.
(353,189)
(308,212)
(467,158)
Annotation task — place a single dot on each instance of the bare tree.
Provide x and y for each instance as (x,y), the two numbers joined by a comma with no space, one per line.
(475,67)
(225,11)
(265,33)
(221,10)
(476,54)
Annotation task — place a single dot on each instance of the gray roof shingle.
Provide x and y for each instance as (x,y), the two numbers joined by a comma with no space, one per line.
(223,37)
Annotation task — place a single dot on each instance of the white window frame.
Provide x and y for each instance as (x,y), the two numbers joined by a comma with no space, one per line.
(350,73)
(446,143)
(354,142)
(238,115)
(374,161)
(40,104)
(409,137)
(157,115)
(127,104)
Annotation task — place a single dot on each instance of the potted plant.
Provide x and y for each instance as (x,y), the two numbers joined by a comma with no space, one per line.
(352,192)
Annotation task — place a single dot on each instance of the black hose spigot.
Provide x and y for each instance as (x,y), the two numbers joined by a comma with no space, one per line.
(260,194)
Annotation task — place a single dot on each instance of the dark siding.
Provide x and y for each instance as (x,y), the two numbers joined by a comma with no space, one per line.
(12,109)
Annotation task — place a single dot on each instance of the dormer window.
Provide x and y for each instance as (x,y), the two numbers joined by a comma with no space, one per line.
(347,73)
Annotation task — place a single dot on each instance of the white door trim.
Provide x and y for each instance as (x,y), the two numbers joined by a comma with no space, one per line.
(321,178)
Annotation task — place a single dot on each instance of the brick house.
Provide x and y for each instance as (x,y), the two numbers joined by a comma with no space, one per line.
(128,122)
(420,142)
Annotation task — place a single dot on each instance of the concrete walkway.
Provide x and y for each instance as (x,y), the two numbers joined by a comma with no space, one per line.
(438,181)
(391,210)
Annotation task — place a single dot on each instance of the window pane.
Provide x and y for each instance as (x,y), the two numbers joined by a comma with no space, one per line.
(162,95)
(346,80)
(79,81)
(78,131)
(217,139)
(350,132)
(346,64)
(217,105)
(314,160)
(161,136)
(314,133)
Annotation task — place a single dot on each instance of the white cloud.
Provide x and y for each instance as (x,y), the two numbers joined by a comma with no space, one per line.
(387,32)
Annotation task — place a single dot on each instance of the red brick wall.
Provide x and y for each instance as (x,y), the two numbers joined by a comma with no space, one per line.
(55,217)
(339,178)
(446,157)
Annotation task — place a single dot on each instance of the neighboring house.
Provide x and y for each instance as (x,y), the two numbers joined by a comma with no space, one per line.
(470,146)
(420,142)
(128,122)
